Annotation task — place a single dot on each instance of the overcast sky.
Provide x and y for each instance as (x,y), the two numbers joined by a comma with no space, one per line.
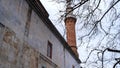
(53,9)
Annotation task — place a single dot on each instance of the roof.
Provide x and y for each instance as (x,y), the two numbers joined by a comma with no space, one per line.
(43,14)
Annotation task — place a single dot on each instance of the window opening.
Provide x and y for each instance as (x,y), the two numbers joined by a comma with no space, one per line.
(49,49)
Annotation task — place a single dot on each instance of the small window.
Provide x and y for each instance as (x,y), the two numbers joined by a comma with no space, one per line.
(49,49)
(2,27)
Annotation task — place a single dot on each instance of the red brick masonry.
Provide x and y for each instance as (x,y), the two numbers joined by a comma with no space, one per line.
(71,35)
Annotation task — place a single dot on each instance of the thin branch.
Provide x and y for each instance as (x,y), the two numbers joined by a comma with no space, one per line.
(108,10)
(96,6)
(103,57)
(116,63)
(101,19)
(77,5)
(91,53)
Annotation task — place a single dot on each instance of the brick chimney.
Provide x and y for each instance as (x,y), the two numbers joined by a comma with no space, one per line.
(71,35)
(70,21)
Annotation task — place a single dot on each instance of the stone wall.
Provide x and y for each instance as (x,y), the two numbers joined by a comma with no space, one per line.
(24,37)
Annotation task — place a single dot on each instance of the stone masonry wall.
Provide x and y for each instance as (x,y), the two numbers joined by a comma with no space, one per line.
(24,37)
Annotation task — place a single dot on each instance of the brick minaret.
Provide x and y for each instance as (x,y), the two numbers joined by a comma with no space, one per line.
(70,21)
